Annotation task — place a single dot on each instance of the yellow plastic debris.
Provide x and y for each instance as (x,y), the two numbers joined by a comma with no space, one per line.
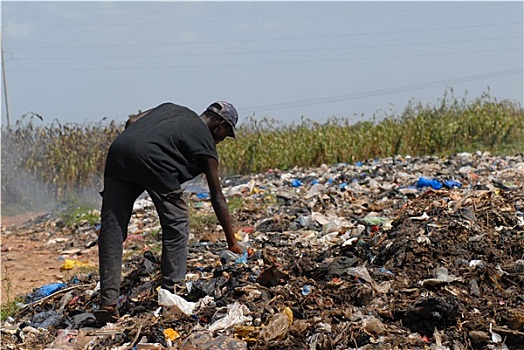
(71,264)
(287,311)
(249,334)
(171,334)
(243,331)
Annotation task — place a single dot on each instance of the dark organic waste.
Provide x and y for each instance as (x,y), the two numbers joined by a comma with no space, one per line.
(395,253)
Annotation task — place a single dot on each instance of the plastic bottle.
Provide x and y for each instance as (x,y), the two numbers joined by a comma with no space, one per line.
(227,256)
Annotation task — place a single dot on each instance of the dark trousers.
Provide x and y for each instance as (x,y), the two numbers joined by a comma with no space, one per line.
(117,206)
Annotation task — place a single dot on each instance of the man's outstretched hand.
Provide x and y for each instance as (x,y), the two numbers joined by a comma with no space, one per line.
(237,248)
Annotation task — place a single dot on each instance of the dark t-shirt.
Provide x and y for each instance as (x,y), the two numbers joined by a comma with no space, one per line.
(158,150)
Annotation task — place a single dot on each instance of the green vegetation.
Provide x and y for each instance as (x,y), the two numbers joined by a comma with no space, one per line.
(9,308)
(202,220)
(76,212)
(61,159)
(450,126)
(235,203)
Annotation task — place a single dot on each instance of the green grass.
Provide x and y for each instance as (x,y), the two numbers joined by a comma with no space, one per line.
(75,212)
(451,125)
(235,203)
(202,219)
(9,308)
(62,159)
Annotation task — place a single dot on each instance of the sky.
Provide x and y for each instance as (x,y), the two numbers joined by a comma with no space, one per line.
(81,62)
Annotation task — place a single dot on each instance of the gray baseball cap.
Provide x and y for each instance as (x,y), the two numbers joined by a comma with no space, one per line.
(227,111)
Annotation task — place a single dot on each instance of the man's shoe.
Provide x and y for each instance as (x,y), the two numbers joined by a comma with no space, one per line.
(107,314)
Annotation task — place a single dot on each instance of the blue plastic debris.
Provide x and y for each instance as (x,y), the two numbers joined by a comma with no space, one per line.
(358,163)
(50,288)
(306,289)
(343,185)
(452,184)
(121,301)
(386,271)
(330,181)
(254,276)
(242,259)
(74,280)
(44,291)
(434,184)
(203,195)
(314,182)
(228,256)
(296,183)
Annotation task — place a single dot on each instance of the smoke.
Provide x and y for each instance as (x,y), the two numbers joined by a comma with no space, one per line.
(21,190)
(52,167)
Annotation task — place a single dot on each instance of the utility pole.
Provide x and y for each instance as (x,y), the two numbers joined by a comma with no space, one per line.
(5,88)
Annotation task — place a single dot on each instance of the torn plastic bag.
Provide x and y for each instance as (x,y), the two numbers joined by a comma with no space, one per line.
(235,316)
(174,303)
(44,291)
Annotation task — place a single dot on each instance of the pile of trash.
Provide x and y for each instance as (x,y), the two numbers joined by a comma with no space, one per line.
(394,253)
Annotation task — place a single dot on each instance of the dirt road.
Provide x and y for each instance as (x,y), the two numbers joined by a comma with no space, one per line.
(28,262)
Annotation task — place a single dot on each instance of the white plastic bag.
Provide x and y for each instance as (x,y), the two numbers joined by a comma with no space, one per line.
(175,303)
(235,316)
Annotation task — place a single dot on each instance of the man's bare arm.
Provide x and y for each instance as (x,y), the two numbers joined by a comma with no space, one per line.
(209,166)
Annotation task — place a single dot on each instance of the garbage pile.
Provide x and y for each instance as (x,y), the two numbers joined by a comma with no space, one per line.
(394,253)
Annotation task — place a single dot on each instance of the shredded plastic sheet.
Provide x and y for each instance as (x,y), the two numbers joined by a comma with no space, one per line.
(441,277)
(235,316)
(175,302)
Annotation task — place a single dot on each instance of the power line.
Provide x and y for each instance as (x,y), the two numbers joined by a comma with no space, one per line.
(244,64)
(418,30)
(373,93)
(229,20)
(259,52)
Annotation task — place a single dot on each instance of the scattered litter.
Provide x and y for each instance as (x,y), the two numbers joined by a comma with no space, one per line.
(401,252)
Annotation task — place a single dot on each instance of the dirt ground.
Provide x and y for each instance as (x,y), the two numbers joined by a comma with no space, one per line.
(27,263)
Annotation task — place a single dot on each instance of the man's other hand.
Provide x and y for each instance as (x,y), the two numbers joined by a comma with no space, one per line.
(237,248)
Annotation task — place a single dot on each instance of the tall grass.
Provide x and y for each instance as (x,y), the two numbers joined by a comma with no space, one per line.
(70,157)
(450,126)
